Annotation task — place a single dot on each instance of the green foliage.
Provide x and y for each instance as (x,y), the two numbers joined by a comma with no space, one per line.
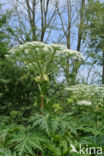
(17,89)
(94,32)
(94,23)
(4,38)
(5,152)
(26,142)
(51,134)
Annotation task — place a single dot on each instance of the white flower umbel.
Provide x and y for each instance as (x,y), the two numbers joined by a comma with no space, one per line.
(6,55)
(42,56)
(59,46)
(84,102)
(26,51)
(92,93)
(72,53)
(37,49)
(59,49)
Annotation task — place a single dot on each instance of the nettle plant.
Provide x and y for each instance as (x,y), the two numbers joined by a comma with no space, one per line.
(43,60)
(86,95)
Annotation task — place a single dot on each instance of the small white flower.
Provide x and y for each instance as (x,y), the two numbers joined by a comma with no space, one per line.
(37,49)
(84,102)
(50,48)
(26,51)
(12,51)
(6,55)
(59,46)
(45,49)
(30,64)
(75,54)
(21,46)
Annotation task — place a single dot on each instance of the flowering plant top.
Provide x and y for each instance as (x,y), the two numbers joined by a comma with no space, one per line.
(43,59)
(33,47)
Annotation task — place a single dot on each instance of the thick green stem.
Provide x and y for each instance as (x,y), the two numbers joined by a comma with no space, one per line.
(42,102)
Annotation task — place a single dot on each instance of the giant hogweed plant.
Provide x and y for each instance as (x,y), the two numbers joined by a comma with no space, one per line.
(43,60)
(52,134)
(87,95)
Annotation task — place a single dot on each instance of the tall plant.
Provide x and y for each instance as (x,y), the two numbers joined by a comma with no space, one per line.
(43,60)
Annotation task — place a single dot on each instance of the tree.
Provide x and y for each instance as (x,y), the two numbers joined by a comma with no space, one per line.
(94,31)
(13,79)
(70,15)
(3,35)
(35,20)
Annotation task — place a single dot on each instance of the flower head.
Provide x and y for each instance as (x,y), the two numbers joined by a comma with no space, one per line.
(84,102)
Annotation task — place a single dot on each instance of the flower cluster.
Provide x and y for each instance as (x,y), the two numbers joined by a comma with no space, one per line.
(43,59)
(73,53)
(87,94)
(84,102)
(35,46)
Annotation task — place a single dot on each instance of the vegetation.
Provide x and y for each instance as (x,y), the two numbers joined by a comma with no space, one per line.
(48,105)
